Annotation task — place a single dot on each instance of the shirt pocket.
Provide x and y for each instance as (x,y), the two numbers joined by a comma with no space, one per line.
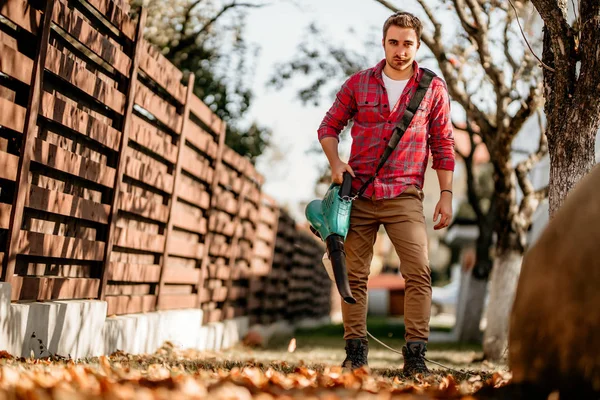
(369,108)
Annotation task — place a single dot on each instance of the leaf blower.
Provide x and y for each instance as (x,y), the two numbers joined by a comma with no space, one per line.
(330,220)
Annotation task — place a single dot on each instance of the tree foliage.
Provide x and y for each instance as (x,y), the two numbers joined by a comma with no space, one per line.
(206,37)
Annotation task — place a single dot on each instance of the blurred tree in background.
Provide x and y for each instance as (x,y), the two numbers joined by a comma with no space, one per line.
(206,37)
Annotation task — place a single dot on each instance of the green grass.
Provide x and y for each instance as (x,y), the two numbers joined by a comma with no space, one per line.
(387,330)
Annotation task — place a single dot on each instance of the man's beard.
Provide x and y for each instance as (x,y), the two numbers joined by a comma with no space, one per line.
(399,65)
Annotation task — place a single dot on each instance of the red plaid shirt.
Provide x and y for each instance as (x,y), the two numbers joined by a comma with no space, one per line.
(363,98)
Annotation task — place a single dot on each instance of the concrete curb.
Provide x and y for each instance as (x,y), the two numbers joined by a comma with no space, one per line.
(80,328)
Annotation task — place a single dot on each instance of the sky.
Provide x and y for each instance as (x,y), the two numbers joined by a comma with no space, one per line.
(278,29)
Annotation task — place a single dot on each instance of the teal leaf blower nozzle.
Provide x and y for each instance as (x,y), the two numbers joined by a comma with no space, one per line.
(330,220)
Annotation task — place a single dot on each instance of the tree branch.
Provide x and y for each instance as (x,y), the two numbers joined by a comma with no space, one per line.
(507,54)
(478,32)
(467,25)
(469,160)
(531,197)
(478,14)
(437,33)
(190,39)
(528,107)
(527,41)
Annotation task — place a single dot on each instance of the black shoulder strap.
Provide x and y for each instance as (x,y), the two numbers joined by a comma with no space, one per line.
(402,125)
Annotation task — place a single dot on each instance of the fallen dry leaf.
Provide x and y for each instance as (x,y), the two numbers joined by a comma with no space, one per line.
(174,374)
(292,345)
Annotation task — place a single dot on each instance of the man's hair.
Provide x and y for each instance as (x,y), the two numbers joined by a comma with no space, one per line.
(403,19)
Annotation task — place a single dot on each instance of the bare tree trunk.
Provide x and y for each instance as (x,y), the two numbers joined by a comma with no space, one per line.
(571,93)
(470,308)
(505,276)
(474,286)
(572,155)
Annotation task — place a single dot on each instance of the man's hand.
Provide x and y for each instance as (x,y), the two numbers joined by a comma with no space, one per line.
(443,211)
(337,172)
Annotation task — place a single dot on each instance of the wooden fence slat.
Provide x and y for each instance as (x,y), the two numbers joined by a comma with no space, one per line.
(130,304)
(191,223)
(268,216)
(193,193)
(122,158)
(260,267)
(219,294)
(201,140)
(196,165)
(12,115)
(5,215)
(142,206)
(173,302)
(9,41)
(66,204)
(181,275)
(266,233)
(145,173)
(84,79)
(80,121)
(53,156)
(262,250)
(21,13)
(148,136)
(117,290)
(159,72)
(184,248)
(137,240)
(9,164)
(174,245)
(163,111)
(39,244)
(24,161)
(148,273)
(178,290)
(77,27)
(205,114)
(53,288)
(208,243)
(165,65)
(116,15)
(15,64)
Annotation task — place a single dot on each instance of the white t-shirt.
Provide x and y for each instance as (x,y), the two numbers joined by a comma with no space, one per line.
(394,89)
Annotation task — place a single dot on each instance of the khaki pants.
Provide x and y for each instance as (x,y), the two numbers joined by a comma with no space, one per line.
(404,223)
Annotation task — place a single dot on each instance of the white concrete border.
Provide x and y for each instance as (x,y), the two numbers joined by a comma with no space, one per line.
(80,328)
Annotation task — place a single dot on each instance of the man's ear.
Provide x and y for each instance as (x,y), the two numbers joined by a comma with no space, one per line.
(383,42)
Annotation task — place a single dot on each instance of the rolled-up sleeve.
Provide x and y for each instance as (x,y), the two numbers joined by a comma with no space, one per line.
(441,137)
(342,110)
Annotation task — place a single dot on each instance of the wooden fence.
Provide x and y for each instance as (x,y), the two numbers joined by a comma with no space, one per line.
(116,184)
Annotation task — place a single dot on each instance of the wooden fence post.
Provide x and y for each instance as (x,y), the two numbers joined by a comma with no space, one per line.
(121,154)
(176,173)
(211,209)
(21,184)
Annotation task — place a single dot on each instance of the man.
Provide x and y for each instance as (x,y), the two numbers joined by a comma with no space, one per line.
(375,99)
